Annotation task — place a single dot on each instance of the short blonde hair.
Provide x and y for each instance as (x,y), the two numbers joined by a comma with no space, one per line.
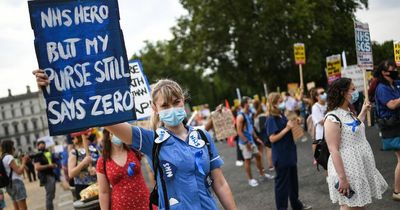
(168,90)
(273,99)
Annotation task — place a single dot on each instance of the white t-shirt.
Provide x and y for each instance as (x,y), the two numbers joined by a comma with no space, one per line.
(318,114)
(6,162)
(291,104)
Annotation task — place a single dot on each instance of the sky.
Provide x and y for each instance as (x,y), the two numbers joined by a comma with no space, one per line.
(140,21)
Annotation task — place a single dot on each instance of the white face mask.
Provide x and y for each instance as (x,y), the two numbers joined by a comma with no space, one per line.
(115,140)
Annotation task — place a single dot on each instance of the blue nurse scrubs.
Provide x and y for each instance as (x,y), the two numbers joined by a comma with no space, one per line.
(185,164)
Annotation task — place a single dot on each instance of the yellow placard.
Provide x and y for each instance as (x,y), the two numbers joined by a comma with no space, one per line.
(396,46)
(333,65)
(292,87)
(299,53)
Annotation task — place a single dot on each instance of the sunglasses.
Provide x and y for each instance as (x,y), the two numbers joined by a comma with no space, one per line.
(321,93)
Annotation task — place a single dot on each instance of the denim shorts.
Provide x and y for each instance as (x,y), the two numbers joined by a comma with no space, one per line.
(17,192)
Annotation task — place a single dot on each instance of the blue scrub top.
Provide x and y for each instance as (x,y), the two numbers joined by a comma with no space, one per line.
(284,153)
(185,183)
(385,93)
(248,129)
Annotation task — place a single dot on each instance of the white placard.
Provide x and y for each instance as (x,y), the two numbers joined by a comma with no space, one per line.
(141,90)
(355,73)
(363,45)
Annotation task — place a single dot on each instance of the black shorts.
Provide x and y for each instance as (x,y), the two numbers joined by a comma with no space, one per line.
(266,142)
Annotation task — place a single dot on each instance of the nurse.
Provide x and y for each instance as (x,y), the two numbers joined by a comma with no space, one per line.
(186,166)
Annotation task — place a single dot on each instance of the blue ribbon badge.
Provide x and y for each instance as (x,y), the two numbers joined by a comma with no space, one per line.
(198,157)
(354,125)
(169,170)
(131,169)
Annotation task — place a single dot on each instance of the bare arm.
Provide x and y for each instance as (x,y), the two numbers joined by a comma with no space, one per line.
(277,137)
(333,139)
(222,189)
(364,110)
(122,131)
(239,128)
(393,104)
(17,169)
(209,125)
(40,167)
(73,169)
(104,191)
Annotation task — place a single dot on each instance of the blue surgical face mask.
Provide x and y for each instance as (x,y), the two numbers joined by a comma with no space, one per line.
(323,97)
(281,106)
(173,116)
(354,96)
(115,140)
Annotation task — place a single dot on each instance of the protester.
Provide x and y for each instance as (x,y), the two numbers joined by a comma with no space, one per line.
(247,138)
(260,119)
(79,166)
(284,156)
(16,189)
(30,170)
(352,175)
(119,175)
(45,166)
(388,114)
(318,111)
(182,154)
(239,155)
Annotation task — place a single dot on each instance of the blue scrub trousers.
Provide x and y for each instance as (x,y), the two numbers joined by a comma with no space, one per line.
(287,186)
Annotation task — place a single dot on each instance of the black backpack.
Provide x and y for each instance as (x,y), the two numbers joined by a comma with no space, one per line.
(4,179)
(321,154)
(155,152)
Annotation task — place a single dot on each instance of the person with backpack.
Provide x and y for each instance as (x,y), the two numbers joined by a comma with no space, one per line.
(247,139)
(387,99)
(119,175)
(318,111)
(352,175)
(185,161)
(284,155)
(45,165)
(11,175)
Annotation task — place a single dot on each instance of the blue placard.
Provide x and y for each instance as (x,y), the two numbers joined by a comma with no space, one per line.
(80,46)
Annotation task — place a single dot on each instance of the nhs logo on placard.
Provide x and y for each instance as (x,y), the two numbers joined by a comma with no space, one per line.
(169,170)
(194,140)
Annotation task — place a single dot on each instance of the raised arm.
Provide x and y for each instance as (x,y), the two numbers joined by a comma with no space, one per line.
(222,190)
(122,131)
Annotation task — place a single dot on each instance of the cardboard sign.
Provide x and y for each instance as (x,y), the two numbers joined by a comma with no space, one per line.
(355,73)
(80,46)
(292,87)
(223,124)
(310,85)
(141,90)
(396,46)
(333,67)
(363,46)
(299,53)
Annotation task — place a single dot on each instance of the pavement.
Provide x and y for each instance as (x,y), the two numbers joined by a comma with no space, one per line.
(312,184)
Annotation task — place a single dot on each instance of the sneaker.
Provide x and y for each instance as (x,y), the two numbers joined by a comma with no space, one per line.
(269,176)
(396,196)
(306,207)
(271,169)
(239,163)
(253,183)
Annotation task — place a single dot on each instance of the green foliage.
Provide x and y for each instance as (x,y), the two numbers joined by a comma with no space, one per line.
(222,45)
(382,51)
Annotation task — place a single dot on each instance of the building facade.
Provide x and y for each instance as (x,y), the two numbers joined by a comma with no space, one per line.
(23,119)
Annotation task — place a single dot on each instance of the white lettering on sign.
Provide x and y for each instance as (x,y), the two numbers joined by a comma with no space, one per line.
(141,91)
(110,69)
(64,50)
(67,109)
(94,44)
(54,17)
(103,106)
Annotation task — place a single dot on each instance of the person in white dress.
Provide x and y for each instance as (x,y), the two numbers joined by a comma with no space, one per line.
(352,175)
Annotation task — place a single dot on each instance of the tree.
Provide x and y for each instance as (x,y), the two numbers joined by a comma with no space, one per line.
(230,44)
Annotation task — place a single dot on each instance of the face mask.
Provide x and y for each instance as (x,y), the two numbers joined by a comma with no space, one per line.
(393,74)
(173,116)
(323,97)
(354,97)
(281,106)
(115,140)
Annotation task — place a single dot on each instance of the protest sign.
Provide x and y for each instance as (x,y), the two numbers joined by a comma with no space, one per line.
(355,73)
(333,67)
(80,46)
(223,124)
(363,46)
(299,54)
(292,87)
(396,46)
(141,90)
(310,85)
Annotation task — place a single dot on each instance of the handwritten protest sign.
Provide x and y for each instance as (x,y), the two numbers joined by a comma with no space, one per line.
(310,85)
(80,46)
(363,45)
(333,67)
(223,124)
(396,46)
(292,87)
(299,53)
(141,90)
(355,73)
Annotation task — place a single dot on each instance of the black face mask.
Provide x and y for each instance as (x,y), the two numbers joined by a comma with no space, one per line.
(42,149)
(393,74)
